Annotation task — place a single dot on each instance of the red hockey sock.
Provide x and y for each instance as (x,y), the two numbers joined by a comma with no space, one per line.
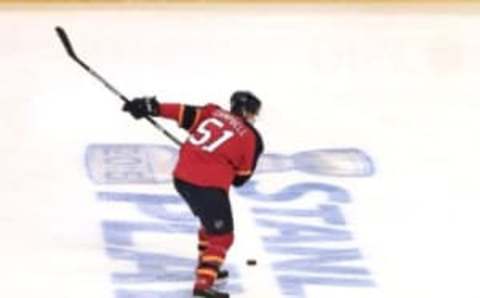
(212,258)
(202,239)
(202,243)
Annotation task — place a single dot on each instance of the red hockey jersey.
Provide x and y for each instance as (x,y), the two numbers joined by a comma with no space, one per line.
(222,149)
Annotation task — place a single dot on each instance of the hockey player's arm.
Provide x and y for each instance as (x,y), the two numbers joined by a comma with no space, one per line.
(185,115)
(243,175)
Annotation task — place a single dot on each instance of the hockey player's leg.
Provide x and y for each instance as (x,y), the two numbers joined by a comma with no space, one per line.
(209,293)
(202,242)
(212,207)
(210,263)
(202,247)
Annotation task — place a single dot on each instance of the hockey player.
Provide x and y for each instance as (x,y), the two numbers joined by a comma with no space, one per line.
(222,150)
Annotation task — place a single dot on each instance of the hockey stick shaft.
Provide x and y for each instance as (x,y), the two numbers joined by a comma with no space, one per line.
(71,53)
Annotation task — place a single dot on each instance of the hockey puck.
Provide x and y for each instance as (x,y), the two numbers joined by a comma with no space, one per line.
(251,262)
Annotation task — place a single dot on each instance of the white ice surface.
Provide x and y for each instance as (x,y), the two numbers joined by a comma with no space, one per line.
(400,85)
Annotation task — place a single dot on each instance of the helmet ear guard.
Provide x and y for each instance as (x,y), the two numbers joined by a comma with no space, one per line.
(242,102)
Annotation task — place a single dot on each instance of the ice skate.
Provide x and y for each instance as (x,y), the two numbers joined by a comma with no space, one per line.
(209,293)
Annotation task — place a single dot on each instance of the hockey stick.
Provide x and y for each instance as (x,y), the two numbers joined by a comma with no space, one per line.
(71,53)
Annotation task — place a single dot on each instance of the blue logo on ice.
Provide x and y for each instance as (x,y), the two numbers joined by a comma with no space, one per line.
(309,246)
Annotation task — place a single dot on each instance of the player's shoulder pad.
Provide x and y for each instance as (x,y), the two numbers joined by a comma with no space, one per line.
(212,106)
(209,109)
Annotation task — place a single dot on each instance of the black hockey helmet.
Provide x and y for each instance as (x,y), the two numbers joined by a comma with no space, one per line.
(242,102)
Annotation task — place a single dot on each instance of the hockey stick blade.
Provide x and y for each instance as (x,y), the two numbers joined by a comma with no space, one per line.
(66,42)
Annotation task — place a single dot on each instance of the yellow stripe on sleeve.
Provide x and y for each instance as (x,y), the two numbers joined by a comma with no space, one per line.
(180,114)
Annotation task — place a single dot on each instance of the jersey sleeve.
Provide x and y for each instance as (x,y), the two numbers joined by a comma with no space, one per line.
(185,115)
(250,160)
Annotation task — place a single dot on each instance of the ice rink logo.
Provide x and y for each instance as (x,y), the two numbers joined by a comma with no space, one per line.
(153,164)
(302,223)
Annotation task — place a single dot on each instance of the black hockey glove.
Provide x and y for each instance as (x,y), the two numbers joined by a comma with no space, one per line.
(142,106)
